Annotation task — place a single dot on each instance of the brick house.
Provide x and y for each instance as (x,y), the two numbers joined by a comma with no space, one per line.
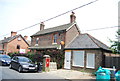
(84,52)
(14,43)
(81,50)
(51,38)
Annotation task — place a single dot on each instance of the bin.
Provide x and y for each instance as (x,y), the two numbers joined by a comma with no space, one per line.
(102,74)
(40,67)
(117,76)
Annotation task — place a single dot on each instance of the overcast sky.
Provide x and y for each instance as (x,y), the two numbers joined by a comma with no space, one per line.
(18,14)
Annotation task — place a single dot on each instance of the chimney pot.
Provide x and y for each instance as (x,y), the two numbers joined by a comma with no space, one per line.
(72,17)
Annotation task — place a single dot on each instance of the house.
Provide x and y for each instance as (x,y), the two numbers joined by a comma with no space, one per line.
(51,38)
(81,50)
(14,43)
(85,51)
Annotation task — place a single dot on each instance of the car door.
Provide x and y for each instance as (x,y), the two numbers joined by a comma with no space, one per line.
(14,62)
(17,63)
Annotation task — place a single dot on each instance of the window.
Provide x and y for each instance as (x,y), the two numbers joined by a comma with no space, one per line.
(18,46)
(37,40)
(90,60)
(78,58)
(55,38)
(19,39)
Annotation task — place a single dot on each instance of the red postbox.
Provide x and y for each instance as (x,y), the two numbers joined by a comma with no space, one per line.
(47,62)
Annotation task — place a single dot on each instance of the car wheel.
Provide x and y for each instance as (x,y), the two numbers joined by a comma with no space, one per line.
(20,69)
(10,66)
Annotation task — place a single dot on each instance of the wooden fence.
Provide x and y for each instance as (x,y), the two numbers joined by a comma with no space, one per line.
(112,60)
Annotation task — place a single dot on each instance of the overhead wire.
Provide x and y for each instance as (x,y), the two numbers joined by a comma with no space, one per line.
(53,17)
(102,28)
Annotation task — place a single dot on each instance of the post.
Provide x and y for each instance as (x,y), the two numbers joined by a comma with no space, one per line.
(46,63)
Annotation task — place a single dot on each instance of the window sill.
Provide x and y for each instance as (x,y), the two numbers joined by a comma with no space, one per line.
(77,66)
(54,43)
(90,67)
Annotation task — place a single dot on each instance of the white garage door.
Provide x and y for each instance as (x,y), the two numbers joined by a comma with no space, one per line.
(90,60)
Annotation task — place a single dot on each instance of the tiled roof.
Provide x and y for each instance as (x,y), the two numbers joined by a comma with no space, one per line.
(54,29)
(86,41)
(8,39)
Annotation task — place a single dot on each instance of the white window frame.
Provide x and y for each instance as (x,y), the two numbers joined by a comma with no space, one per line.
(19,38)
(93,61)
(55,37)
(81,53)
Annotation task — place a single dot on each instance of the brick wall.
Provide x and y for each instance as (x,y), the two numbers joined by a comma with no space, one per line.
(12,45)
(98,59)
(47,39)
(71,34)
(1,45)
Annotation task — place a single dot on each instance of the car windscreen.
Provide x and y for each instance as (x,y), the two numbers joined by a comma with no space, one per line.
(24,59)
(4,56)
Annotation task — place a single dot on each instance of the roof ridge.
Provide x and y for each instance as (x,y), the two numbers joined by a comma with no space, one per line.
(56,26)
(53,29)
(92,38)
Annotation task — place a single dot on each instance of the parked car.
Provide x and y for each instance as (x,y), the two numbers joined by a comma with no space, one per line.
(22,63)
(5,59)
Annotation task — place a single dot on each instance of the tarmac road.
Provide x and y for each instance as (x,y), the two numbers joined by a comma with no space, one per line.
(11,74)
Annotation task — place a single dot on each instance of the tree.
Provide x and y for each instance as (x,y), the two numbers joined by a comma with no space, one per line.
(116,43)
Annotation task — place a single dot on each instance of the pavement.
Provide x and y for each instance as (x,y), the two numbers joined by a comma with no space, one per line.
(72,74)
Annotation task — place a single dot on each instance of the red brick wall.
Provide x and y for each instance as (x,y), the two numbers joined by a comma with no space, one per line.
(46,40)
(71,34)
(12,46)
(5,47)
(1,47)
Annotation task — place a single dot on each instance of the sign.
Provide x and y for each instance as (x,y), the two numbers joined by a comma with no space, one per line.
(22,51)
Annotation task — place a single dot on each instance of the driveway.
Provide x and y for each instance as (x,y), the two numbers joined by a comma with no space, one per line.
(72,74)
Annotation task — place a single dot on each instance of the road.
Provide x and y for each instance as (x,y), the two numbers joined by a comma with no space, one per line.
(6,73)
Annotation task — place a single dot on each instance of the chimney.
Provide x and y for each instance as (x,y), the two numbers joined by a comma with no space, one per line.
(42,26)
(72,17)
(13,33)
(25,37)
(4,38)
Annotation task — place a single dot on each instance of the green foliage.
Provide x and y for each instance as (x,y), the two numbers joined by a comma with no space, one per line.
(55,56)
(115,47)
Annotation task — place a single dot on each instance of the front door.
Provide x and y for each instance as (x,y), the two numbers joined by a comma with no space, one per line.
(67,61)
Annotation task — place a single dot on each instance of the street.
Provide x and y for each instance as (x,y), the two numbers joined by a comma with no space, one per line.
(6,73)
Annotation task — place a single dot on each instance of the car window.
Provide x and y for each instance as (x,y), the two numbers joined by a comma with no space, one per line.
(4,56)
(0,56)
(14,58)
(24,59)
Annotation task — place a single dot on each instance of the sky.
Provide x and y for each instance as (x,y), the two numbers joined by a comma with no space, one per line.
(18,14)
